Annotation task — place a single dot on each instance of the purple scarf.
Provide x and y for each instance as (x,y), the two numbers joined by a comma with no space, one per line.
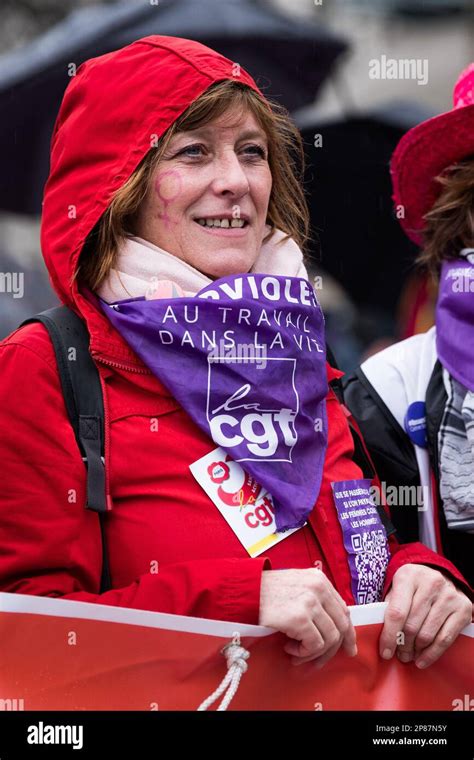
(455,318)
(245,358)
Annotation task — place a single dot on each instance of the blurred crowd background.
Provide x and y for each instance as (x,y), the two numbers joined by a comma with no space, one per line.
(312,55)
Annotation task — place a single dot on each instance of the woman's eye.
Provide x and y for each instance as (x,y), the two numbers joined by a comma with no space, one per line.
(195,151)
(188,148)
(257,150)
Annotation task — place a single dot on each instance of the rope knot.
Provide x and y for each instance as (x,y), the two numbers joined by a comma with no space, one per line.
(236,656)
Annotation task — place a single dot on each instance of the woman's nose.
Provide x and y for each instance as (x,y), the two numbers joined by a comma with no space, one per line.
(230,176)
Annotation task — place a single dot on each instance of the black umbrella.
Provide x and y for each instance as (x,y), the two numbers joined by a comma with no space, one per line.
(288,59)
(349,192)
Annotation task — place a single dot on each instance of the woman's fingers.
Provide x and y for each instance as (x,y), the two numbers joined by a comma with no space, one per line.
(311,646)
(339,612)
(440,629)
(350,640)
(426,611)
(420,609)
(304,605)
(396,614)
(446,635)
(332,620)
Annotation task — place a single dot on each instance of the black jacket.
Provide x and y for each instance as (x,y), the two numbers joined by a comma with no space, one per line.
(394,458)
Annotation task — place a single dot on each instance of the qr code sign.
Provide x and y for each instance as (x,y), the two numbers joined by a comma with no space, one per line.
(371,560)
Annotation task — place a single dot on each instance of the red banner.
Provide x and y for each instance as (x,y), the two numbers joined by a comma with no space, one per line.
(64,655)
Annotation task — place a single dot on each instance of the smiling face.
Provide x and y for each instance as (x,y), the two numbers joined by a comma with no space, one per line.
(217,172)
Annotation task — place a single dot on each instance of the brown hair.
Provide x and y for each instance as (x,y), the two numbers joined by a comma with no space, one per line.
(450,221)
(287,209)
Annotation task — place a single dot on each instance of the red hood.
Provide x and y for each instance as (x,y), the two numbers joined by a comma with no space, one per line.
(110,112)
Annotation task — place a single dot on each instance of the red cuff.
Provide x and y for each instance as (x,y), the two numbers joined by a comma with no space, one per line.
(240,591)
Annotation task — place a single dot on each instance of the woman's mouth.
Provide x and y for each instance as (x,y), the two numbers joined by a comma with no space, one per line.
(223,226)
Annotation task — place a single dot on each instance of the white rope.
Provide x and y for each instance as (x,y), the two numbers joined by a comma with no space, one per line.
(236,667)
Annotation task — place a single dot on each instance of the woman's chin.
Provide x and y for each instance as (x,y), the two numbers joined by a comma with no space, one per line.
(229,264)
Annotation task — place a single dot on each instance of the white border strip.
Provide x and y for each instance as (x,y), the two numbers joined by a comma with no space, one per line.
(42,605)
(366,614)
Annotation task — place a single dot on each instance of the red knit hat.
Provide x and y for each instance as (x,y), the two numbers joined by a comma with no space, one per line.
(427,150)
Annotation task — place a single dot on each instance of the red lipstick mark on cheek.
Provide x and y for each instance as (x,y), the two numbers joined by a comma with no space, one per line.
(168,186)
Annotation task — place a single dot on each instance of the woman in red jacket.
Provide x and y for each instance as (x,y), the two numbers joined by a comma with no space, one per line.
(173,223)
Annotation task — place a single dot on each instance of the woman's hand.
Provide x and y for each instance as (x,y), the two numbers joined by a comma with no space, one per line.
(306,606)
(428,609)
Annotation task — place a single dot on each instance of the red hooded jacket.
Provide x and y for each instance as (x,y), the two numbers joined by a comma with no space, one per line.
(169,548)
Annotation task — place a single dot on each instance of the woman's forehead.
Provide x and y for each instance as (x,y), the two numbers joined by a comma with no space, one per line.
(244,125)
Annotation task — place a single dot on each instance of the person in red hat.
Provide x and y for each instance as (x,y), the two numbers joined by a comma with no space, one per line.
(174,223)
(415,400)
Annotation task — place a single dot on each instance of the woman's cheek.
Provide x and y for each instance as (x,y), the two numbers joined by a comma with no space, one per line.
(262,186)
(167,188)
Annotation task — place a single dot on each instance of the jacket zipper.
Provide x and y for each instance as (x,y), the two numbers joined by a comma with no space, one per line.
(106,444)
(108,362)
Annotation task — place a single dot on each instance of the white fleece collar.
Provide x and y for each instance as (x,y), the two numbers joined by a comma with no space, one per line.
(141,266)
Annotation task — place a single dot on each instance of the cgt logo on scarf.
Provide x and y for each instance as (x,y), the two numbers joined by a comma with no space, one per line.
(265,434)
(269,416)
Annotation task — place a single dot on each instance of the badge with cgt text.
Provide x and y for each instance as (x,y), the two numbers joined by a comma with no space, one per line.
(247,507)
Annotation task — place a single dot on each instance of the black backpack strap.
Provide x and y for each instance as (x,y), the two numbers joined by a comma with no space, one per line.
(336,383)
(82,392)
(330,357)
(436,399)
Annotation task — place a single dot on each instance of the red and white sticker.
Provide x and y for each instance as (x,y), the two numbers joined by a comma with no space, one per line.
(246,506)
